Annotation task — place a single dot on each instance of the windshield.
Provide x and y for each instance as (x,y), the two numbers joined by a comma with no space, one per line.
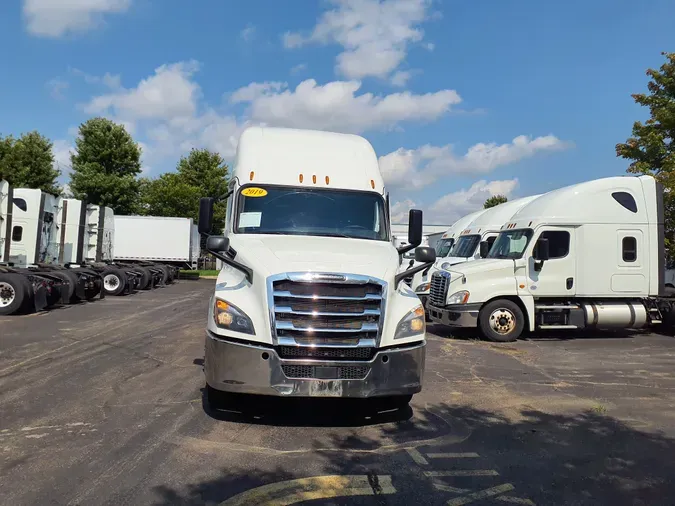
(465,246)
(510,244)
(311,211)
(443,247)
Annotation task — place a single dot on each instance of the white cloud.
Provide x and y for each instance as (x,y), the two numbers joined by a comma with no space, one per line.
(337,106)
(422,166)
(56,88)
(54,18)
(254,91)
(401,77)
(168,94)
(298,68)
(248,33)
(61,150)
(374,34)
(452,206)
(112,81)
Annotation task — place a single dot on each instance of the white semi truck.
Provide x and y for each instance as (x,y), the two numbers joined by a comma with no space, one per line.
(590,255)
(420,281)
(309,302)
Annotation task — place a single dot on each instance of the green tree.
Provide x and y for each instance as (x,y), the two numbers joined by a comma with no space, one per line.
(28,162)
(652,145)
(495,200)
(202,173)
(106,165)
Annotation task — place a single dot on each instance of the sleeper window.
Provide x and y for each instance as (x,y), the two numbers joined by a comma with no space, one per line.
(626,200)
(629,249)
(558,243)
(17,234)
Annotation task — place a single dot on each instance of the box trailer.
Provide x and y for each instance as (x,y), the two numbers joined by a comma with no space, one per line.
(173,241)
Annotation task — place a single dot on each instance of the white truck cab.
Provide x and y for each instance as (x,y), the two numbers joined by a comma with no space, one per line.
(587,255)
(420,281)
(309,302)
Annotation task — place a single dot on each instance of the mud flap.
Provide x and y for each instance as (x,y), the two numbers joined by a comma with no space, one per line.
(80,286)
(40,298)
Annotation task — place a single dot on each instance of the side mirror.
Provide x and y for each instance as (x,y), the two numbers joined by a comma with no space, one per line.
(425,255)
(217,243)
(484,249)
(541,251)
(415,228)
(205,223)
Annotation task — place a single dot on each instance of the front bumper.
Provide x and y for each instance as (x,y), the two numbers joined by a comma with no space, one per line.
(233,366)
(464,315)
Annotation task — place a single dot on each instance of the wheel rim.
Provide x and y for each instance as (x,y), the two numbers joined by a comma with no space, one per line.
(7,294)
(111,282)
(502,321)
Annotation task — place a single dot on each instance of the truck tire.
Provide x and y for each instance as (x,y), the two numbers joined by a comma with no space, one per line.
(501,320)
(71,279)
(165,274)
(146,278)
(114,281)
(14,293)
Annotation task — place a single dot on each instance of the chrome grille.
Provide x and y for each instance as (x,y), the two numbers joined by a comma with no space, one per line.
(345,311)
(438,289)
(356,372)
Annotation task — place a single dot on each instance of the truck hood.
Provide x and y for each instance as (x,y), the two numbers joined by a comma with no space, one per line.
(451,261)
(483,265)
(271,255)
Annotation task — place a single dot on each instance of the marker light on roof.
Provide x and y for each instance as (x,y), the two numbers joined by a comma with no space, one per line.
(327,180)
(314,179)
(372,184)
(251,175)
(300,178)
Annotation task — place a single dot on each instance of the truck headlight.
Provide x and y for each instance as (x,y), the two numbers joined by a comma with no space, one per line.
(423,287)
(446,265)
(411,324)
(230,317)
(458,298)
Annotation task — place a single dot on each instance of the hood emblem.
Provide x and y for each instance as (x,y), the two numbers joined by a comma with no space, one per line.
(445,274)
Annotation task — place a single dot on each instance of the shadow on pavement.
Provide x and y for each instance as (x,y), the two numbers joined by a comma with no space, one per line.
(585,458)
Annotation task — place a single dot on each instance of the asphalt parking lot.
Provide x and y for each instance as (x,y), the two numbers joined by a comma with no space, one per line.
(101,403)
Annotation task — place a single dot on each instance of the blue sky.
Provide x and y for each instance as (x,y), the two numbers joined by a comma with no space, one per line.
(461,100)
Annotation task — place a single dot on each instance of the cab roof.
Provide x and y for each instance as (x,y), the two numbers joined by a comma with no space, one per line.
(493,218)
(294,157)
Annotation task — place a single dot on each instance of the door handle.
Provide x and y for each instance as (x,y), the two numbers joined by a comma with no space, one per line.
(570,283)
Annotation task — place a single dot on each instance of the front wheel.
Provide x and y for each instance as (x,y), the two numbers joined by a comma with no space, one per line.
(14,293)
(501,321)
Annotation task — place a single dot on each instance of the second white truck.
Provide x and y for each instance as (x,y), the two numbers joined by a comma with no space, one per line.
(590,255)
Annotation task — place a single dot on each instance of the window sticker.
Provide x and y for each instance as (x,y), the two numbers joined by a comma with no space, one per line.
(250,220)
(252,191)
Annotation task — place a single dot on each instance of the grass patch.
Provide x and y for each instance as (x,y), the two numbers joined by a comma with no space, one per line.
(198,274)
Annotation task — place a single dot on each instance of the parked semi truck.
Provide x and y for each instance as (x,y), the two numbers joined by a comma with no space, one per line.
(590,255)
(169,241)
(32,276)
(420,281)
(309,302)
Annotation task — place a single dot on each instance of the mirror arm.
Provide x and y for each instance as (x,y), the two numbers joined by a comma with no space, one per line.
(538,264)
(223,197)
(248,272)
(406,248)
(400,277)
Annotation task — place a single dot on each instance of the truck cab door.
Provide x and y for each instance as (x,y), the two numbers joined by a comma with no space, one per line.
(554,277)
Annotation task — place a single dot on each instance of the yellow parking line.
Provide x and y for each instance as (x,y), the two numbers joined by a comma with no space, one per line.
(288,492)
(473,472)
(417,456)
(515,500)
(467,455)
(483,494)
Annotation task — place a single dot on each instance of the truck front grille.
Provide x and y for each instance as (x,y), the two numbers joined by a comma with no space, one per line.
(326,353)
(356,372)
(438,289)
(337,313)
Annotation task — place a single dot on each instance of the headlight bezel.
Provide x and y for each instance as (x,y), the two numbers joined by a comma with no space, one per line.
(446,265)
(414,317)
(241,322)
(458,298)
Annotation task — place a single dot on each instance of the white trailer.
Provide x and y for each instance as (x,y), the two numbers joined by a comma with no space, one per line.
(590,255)
(172,241)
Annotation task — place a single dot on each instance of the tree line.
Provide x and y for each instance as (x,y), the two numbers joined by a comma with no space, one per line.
(105,169)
